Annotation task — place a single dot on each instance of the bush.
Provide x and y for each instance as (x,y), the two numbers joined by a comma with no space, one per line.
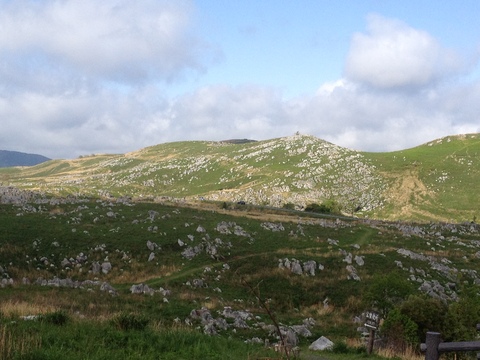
(289,206)
(127,321)
(327,207)
(462,317)
(55,318)
(386,292)
(427,313)
(340,347)
(399,331)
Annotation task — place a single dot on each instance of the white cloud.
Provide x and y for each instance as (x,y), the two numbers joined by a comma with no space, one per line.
(221,111)
(94,85)
(114,39)
(392,54)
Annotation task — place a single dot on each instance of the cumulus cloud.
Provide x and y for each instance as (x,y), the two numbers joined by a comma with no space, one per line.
(392,54)
(219,112)
(82,77)
(363,119)
(119,40)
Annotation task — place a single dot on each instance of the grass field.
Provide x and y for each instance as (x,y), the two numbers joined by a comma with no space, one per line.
(203,260)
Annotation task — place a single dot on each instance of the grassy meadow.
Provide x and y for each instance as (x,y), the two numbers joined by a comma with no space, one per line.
(202,250)
(239,264)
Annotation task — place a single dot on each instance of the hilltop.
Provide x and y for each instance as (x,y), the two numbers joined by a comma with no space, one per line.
(434,181)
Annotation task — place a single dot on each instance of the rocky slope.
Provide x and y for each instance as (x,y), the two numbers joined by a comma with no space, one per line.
(427,182)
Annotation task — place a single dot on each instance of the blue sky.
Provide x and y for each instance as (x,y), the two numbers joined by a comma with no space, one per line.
(83,77)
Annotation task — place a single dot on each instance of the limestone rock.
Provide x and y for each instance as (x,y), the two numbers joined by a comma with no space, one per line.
(322,343)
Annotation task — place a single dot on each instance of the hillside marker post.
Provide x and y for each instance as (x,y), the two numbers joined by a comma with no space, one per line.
(372,319)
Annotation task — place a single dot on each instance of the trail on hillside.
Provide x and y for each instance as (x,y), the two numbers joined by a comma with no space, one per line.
(407,192)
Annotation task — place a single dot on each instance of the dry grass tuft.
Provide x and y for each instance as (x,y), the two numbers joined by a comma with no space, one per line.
(211,303)
(408,354)
(138,273)
(12,308)
(318,309)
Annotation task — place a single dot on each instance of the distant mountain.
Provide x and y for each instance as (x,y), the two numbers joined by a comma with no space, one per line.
(15,158)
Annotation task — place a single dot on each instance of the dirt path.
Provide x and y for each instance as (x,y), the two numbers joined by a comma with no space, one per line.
(407,192)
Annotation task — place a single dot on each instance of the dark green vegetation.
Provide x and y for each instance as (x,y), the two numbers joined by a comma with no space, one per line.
(216,260)
(437,181)
(327,207)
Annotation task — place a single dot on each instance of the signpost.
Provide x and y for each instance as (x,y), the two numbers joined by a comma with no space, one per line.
(372,320)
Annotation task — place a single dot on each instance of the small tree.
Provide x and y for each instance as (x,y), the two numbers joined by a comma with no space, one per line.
(428,313)
(388,291)
(399,331)
(462,316)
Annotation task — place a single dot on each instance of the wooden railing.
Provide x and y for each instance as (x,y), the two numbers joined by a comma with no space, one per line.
(434,347)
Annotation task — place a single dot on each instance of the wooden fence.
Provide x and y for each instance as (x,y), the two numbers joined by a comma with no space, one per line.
(434,346)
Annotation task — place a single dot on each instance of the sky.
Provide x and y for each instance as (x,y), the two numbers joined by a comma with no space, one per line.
(81,77)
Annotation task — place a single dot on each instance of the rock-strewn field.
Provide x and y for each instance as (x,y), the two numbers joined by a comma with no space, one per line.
(201,259)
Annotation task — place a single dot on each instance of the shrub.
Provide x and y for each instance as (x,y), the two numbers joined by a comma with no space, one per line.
(427,313)
(289,206)
(399,331)
(386,292)
(128,321)
(58,318)
(340,347)
(326,207)
(462,317)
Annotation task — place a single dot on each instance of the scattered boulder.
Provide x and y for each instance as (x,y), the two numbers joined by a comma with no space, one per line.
(321,344)
(197,283)
(152,246)
(141,289)
(352,273)
(309,267)
(96,268)
(359,260)
(108,288)
(106,267)
(272,226)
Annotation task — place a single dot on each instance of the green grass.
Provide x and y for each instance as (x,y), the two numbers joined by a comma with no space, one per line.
(94,340)
(65,230)
(447,168)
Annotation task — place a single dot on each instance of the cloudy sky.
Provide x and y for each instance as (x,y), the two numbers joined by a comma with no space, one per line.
(79,77)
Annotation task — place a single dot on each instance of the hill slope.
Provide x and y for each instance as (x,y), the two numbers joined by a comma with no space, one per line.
(208,271)
(433,181)
(437,180)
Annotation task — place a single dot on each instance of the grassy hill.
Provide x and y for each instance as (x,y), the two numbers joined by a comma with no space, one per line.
(118,279)
(434,181)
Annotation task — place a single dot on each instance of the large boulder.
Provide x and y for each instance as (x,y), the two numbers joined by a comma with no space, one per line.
(322,343)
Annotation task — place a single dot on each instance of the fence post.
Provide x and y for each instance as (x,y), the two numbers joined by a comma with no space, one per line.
(478,353)
(432,341)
